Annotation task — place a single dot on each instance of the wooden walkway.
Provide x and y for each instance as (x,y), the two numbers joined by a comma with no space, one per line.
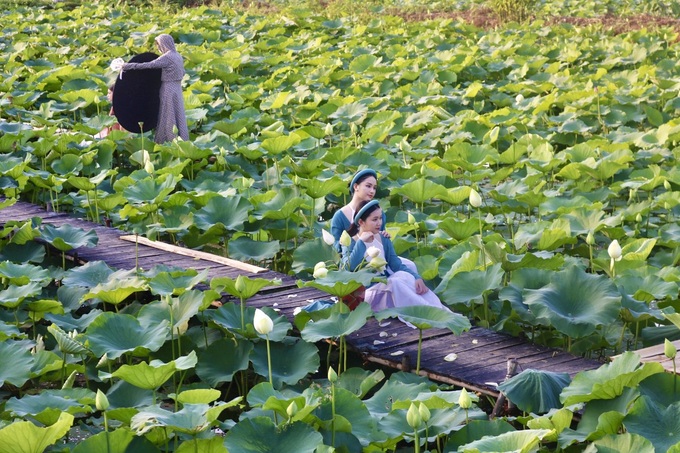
(481,354)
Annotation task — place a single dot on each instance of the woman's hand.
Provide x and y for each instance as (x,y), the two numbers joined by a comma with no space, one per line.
(366,236)
(421,288)
(385,234)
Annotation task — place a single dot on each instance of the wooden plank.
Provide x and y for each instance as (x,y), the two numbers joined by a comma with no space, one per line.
(194,253)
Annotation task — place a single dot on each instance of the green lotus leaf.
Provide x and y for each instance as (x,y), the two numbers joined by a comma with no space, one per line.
(341,283)
(223,214)
(260,435)
(421,190)
(150,190)
(470,287)
(14,295)
(524,441)
(350,407)
(281,204)
(475,430)
(228,316)
(67,237)
(319,188)
(152,375)
(363,63)
(47,407)
(175,310)
(32,252)
(115,334)
(83,183)
(26,231)
(535,390)
(246,249)
(67,164)
(658,424)
(212,445)
(22,274)
(541,260)
(426,317)
(575,303)
(661,388)
(623,443)
(120,440)
(637,249)
(397,388)
(176,282)
(19,355)
(459,229)
(339,322)
(119,286)
(609,380)
(359,381)
(88,275)
(66,343)
(191,419)
(353,112)
(277,145)
(198,396)
(222,359)
(442,421)
(311,252)
(26,437)
(291,360)
(251,286)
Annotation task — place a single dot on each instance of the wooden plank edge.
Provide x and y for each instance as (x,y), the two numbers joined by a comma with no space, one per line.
(194,253)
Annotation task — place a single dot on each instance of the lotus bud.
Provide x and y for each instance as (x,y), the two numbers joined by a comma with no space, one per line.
(373,251)
(489,218)
(262,323)
(328,130)
(475,199)
(102,361)
(345,239)
(148,167)
(332,375)
(404,145)
(101,401)
(413,417)
(68,383)
(464,400)
(327,237)
(321,272)
(638,218)
(424,412)
(519,98)
(240,284)
(378,264)
(614,250)
(669,349)
(590,239)
(666,184)
(320,265)
(292,409)
(411,218)
(39,345)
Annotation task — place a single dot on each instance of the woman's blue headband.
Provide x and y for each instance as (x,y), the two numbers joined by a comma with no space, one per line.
(365,208)
(360,174)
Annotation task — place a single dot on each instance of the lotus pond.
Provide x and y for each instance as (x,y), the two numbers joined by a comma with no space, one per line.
(568,134)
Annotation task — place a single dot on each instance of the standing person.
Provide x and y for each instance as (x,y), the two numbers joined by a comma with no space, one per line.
(404,286)
(362,189)
(171,111)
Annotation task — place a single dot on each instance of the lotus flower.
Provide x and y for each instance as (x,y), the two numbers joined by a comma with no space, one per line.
(327,237)
(475,199)
(614,250)
(262,323)
(373,251)
(321,272)
(345,240)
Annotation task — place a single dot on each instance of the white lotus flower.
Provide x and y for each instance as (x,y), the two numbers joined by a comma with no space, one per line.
(327,237)
(377,264)
(475,199)
(345,239)
(319,265)
(117,64)
(411,219)
(262,323)
(614,250)
(373,251)
(321,272)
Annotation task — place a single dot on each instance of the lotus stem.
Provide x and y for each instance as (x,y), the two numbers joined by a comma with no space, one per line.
(332,414)
(269,362)
(420,347)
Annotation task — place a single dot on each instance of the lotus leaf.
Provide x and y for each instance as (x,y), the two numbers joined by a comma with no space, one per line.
(260,435)
(191,419)
(68,237)
(659,424)
(121,440)
(26,437)
(47,407)
(337,322)
(291,360)
(152,375)
(222,359)
(115,334)
(621,443)
(535,390)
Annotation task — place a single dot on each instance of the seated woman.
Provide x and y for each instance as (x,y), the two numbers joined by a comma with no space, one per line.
(362,189)
(404,286)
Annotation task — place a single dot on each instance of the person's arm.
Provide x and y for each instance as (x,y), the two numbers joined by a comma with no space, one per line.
(393,260)
(357,252)
(161,62)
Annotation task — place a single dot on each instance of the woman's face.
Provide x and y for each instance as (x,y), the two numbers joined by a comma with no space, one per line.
(366,189)
(373,222)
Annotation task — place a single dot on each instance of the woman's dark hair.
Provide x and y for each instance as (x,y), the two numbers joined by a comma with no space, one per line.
(360,176)
(354,227)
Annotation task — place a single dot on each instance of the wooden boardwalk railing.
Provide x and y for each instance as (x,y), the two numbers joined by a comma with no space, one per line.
(481,355)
